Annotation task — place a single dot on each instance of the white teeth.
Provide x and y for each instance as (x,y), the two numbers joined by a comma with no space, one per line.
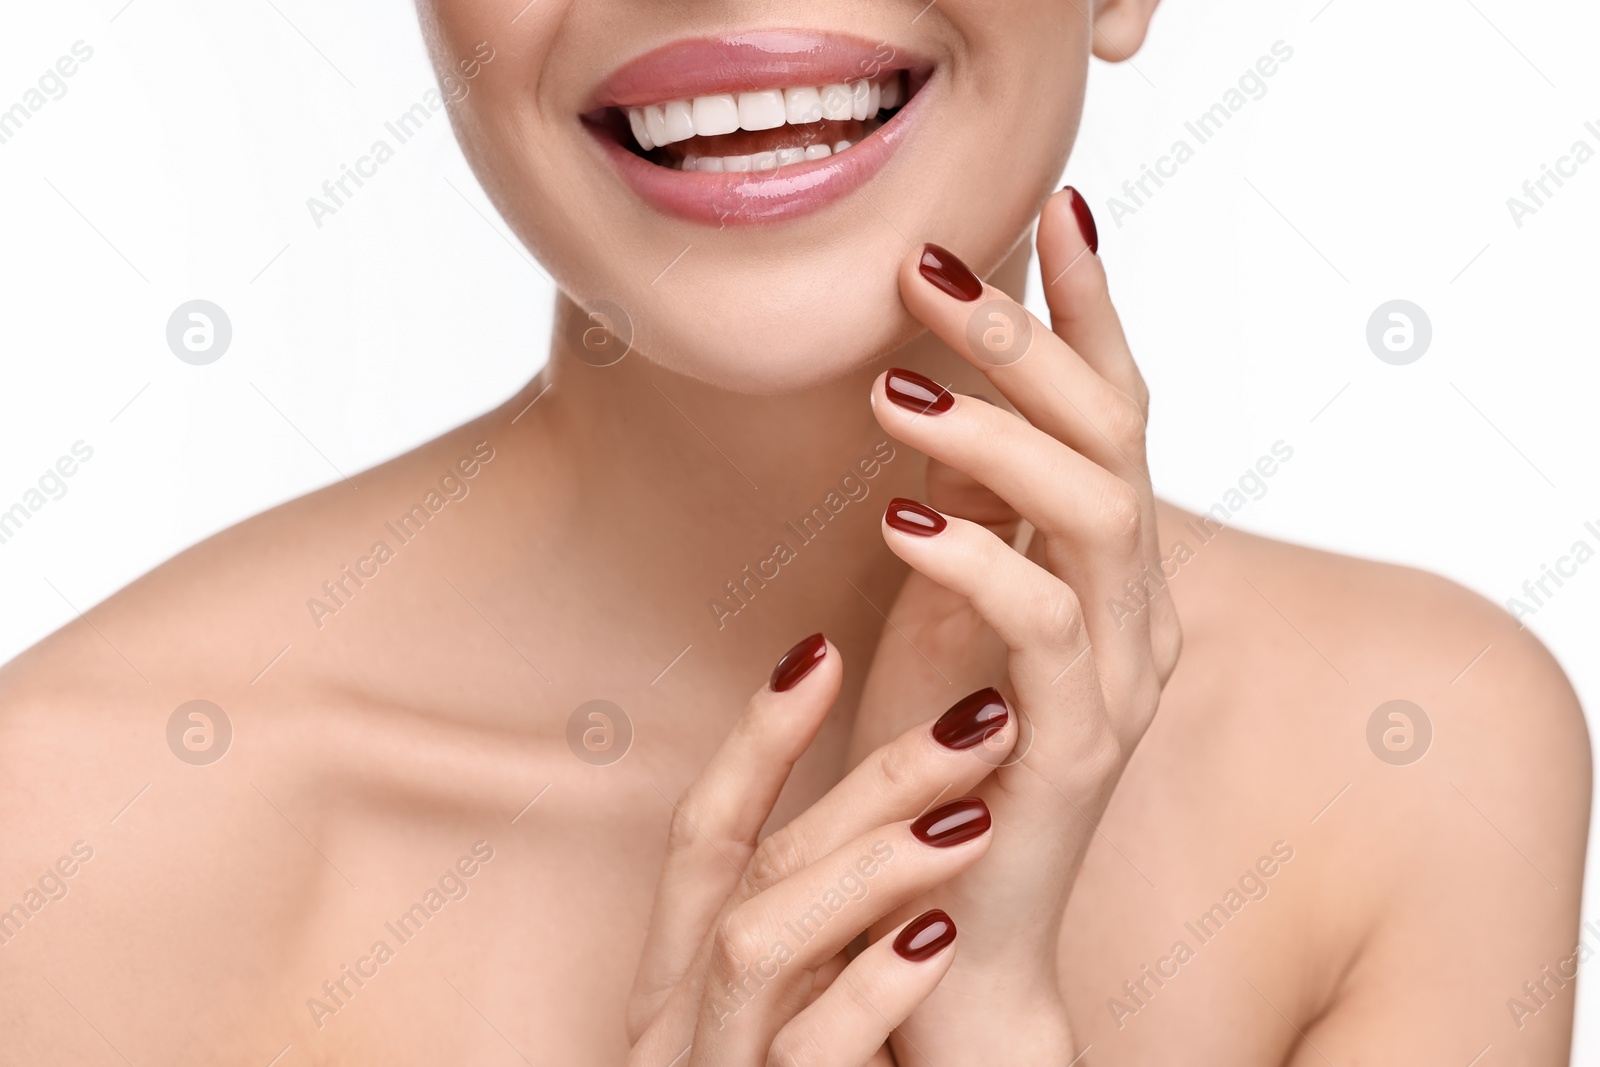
(714,115)
(679,121)
(762,110)
(761,161)
(838,102)
(803,105)
(655,124)
(640,133)
(767,109)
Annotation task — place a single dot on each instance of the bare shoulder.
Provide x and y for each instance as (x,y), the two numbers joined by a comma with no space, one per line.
(1432,763)
(1336,634)
(290,600)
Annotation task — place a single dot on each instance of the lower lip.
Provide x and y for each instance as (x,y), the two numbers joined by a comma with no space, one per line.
(744,199)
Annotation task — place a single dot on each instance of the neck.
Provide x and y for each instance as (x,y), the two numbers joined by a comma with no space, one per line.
(736,521)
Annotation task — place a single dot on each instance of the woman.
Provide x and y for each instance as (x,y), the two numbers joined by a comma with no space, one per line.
(468,765)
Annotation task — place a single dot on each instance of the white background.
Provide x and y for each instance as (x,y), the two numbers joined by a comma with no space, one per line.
(1377,166)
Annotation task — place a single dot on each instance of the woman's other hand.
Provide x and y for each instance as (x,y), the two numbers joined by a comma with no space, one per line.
(744,962)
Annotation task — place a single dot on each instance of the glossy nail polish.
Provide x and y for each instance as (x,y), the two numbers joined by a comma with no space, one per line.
(915,392)
(947,273)
(952,823)
(798,662)
(972,720)
(910,517)
(925,936)
(1085,217)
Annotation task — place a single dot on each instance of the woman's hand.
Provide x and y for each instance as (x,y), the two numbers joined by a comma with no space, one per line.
(1084,676)
(743,964)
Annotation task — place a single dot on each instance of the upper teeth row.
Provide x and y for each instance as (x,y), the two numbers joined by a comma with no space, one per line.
(766,109)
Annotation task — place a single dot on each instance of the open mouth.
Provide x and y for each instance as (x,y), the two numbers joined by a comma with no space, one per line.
(758,127)
(765,129)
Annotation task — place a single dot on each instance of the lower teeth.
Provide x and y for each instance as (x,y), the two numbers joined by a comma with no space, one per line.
(761,161)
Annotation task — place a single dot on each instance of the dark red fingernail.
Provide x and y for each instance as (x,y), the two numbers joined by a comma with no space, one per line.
(941,267)
(915,392)
(952,823)
(799,662)
(1085,217)
(925,936)
(910,517)
(972,720)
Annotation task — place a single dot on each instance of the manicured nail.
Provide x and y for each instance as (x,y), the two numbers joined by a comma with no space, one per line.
(941,267)
(925,936)
(916,393)
(972,720)
(952,823)
(1085,217)
(798,662)
(910,517)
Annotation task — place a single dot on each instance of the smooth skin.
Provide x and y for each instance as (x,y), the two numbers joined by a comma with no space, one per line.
(376,746)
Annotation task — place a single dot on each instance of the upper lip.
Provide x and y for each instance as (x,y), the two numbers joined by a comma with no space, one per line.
(746,62)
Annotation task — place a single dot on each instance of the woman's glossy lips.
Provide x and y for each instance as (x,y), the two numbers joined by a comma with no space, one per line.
(766,59)
(751,63)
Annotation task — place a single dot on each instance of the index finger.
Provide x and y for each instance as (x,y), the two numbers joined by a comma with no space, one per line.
(717,820)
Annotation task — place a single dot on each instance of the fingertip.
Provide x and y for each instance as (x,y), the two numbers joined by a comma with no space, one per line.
(977,719)
(929,934)
(914,518)
(800,661)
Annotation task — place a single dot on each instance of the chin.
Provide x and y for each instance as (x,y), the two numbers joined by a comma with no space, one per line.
(743,195)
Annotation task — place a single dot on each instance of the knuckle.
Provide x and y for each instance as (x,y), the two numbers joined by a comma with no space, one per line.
(1146,699)
(1061,616)
(1125,423)
(789,1051)
(1166,641)
(1141,395)
(896,769)
(776,858)
(681,832)
(1103,761)
(734,946)
(1122,517)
